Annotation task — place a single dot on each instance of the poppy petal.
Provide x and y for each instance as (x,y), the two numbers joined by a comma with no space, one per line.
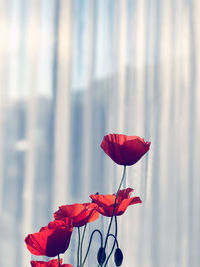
(51,263)
(80,214)
(49,242)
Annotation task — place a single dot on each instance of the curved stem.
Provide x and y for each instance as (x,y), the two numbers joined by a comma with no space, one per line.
(123,176)
(81,248)
(109,255)
(115,237)
(78,247)
(115,242)
(59,260)
(90,244)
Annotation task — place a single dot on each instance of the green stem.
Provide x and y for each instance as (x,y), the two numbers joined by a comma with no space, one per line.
(116,226)
(109,255)
(59,260)
(78,247)
(115,242)
(123,176)
(90,245)
(81,249)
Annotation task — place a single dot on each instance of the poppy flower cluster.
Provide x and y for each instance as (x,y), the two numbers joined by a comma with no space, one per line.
(54,239)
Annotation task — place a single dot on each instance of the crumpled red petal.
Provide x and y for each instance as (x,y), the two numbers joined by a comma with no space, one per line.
(105,203)
(79,213)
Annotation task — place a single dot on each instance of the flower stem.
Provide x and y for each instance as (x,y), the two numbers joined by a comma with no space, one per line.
(78,247)
(116,226)
(90,244)
(81,247)
(123,176)
(115,242)
(59,260)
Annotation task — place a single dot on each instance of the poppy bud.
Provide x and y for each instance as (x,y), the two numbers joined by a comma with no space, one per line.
(118,257)
(101,256)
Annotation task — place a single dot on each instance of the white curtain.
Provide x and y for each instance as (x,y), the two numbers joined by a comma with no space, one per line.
(72,71)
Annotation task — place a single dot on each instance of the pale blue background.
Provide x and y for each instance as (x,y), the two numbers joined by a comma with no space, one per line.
(73,71)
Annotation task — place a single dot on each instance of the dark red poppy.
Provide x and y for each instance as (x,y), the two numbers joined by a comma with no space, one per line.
(79,213)
(52,263)
(123,149)
(105,203)
(51,240)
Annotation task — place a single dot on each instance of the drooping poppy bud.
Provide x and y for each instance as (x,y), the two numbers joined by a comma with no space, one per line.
(118,257)
(101,256)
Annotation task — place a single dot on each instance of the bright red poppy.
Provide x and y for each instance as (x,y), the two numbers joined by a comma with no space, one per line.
(79,213)
(66,222)
(51,240)
(123,149)
(52,263)
(105,203)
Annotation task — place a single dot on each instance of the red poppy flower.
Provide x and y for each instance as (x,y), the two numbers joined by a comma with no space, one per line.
(51,240)
(105,203)
(52,263)
(79,213)
(58,223)
(123,149)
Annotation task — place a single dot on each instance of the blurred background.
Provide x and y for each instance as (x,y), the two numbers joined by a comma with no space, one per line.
(74,71)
